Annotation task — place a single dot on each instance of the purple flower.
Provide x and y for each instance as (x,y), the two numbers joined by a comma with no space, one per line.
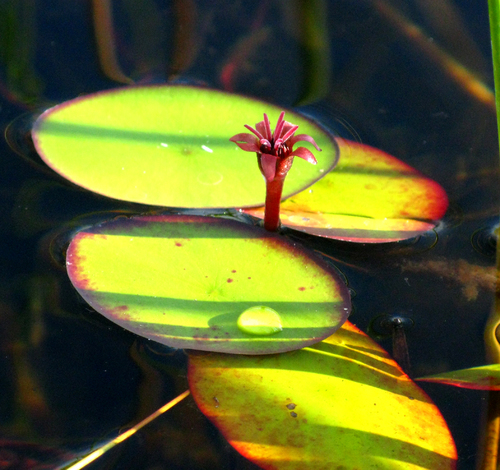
(275,149)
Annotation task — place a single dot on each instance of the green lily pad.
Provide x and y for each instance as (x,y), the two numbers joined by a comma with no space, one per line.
(370,197)
(168,146)
(185,281)
(342,403)
(477,378)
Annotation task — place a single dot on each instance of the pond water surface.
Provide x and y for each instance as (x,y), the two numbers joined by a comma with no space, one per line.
(378,71)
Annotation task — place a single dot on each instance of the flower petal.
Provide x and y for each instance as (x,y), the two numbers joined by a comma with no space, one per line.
(246,142)
(305,137)
(288,131)
(261,127)
(267,125)
(302,152)
(279,126)
(268,164)
(255,131)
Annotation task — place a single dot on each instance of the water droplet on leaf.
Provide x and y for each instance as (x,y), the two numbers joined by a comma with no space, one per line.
(260,320)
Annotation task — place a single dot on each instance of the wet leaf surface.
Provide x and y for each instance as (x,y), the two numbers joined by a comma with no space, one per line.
(342,403)
(167,146)
(477,378)
(185,281)
(369,197)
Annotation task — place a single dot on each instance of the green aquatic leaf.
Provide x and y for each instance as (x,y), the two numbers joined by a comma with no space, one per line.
(370,197)
(167,146)
(185,281)
(342,403)
(477,378)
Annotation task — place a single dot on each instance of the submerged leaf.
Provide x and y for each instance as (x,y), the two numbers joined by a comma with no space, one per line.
(477,378)
(342,403)
(167,146)
(369,197)
(185,281)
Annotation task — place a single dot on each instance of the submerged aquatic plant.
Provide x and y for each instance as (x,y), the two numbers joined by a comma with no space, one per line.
(275,157)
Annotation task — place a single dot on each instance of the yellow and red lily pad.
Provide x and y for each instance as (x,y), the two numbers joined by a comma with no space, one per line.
(167,146)
(369,197)
(195,282)
(476,378)
(342,403)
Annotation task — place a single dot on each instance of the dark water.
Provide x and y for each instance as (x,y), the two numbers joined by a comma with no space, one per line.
(70,379)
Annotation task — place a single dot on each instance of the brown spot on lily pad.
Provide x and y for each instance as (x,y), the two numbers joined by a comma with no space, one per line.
(85,283)
(118,312)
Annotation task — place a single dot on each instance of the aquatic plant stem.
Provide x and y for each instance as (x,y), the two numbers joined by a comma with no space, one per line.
(274,189)
(491,434)
(494,13)
(97,453)
(490,444)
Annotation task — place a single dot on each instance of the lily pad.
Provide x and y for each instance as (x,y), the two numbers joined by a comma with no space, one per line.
(342,403)
(370,197)
(477,378)
(167,146)
(185,281)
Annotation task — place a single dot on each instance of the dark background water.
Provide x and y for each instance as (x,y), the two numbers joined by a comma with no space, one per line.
(378,71)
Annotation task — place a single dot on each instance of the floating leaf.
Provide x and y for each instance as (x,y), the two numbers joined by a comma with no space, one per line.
(342,403)
(167,146)
(477,378)
(185,281)
(369,197)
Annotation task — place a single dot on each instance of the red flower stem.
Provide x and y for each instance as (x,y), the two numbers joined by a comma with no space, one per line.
(273,199)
